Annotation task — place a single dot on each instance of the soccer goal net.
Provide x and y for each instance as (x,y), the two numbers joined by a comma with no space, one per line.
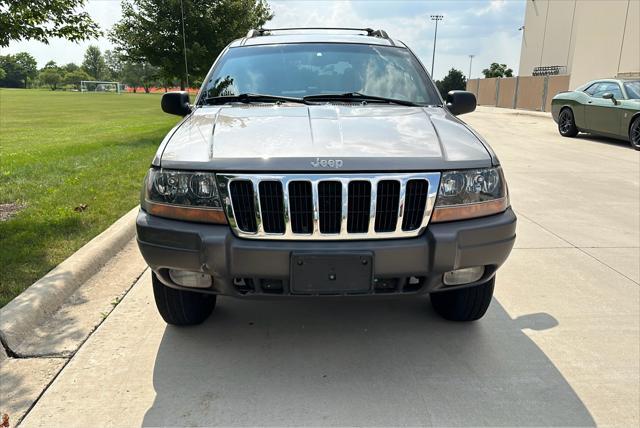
(100,86)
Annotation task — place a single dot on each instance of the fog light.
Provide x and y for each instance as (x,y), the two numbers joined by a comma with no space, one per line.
(190,279)
(463,276)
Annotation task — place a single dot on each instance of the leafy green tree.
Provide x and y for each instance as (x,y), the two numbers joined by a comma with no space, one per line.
(2,73)
(93,62)
(113,65)
(50,64)
(68,68)
(497,70)
(74,78)
(151,31)
(452,81)
(136,74)
(167,82)
(44,19)
(131,76)
(19,69)
(50,77)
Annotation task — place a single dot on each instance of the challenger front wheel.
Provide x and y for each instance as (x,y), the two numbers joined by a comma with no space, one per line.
(566,123)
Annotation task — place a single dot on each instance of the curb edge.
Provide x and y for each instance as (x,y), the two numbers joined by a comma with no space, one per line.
(45,296)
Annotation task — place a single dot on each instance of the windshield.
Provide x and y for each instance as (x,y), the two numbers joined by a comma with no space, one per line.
(298,70)
(633,89)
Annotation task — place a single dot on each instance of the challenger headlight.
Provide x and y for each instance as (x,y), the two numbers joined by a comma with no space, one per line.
(183,195)
(470,193)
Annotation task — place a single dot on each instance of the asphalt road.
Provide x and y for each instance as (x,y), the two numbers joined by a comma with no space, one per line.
(559,346)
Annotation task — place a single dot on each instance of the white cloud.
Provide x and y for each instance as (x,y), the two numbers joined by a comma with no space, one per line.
(493,6)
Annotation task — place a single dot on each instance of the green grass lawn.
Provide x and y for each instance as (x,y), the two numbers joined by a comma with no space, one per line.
(62,149)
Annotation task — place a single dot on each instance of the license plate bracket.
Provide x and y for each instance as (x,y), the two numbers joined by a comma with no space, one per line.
(336,273)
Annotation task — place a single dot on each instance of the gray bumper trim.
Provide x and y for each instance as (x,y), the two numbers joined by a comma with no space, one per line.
(170,244)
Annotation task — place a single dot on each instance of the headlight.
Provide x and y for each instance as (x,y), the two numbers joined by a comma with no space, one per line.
(183,195)
(470,193)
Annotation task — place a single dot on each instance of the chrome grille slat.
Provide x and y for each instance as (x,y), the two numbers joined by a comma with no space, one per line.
(256,203)
(401,206)
(328,206)
(287,207)
(314,204)
(345,209)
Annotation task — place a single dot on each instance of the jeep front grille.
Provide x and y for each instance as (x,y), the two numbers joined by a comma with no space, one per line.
(326,206)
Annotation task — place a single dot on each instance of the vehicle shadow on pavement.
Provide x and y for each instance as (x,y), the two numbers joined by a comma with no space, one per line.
(388,361)
(604,140)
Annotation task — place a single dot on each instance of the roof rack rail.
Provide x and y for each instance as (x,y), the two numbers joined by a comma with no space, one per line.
(265,31)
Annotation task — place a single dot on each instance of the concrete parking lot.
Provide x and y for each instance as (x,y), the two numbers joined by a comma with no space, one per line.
(559,346)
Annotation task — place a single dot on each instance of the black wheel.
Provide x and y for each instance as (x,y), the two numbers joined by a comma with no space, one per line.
(465,304)
(180,307)
(634,133)
(566,123)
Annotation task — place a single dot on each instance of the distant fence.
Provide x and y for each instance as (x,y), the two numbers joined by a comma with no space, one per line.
(155,89)
(523,92)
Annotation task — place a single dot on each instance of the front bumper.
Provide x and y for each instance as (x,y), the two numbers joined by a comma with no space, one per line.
(241,267)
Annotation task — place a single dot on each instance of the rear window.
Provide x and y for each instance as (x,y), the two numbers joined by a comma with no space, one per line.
(298,70)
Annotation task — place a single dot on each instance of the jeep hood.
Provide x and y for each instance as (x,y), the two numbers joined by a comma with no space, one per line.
(294,137)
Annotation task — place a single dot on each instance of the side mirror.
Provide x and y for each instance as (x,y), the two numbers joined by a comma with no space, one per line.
(460,102)
(176,103)
(609,96)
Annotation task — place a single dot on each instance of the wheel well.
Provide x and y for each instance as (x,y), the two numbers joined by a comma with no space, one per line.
(633,119)
(566,108)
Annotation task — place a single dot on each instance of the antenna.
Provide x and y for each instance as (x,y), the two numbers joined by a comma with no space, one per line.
(184,47)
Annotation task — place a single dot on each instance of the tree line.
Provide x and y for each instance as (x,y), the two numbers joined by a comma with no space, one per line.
(20,71)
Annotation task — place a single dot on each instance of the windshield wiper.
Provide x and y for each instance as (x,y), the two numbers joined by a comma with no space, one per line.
(249,97)
(356,96)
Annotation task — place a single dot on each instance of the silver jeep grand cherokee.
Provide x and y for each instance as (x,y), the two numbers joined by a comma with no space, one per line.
(322,163)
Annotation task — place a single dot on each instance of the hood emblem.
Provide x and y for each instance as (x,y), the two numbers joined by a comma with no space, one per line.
(327,163)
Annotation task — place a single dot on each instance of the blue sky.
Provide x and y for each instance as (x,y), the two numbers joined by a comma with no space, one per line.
(487,29)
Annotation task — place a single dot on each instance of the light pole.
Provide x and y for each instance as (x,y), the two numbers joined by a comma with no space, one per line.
(470,62)
(184,48)
(435,37)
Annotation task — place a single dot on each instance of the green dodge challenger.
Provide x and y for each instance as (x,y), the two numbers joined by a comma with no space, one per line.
(607,107)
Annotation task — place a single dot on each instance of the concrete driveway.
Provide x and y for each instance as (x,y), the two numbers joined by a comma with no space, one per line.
(559,346)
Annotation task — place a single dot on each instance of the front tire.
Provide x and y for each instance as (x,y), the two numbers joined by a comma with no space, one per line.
(566,123)
(464,304)
(634,133)
(181,307)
